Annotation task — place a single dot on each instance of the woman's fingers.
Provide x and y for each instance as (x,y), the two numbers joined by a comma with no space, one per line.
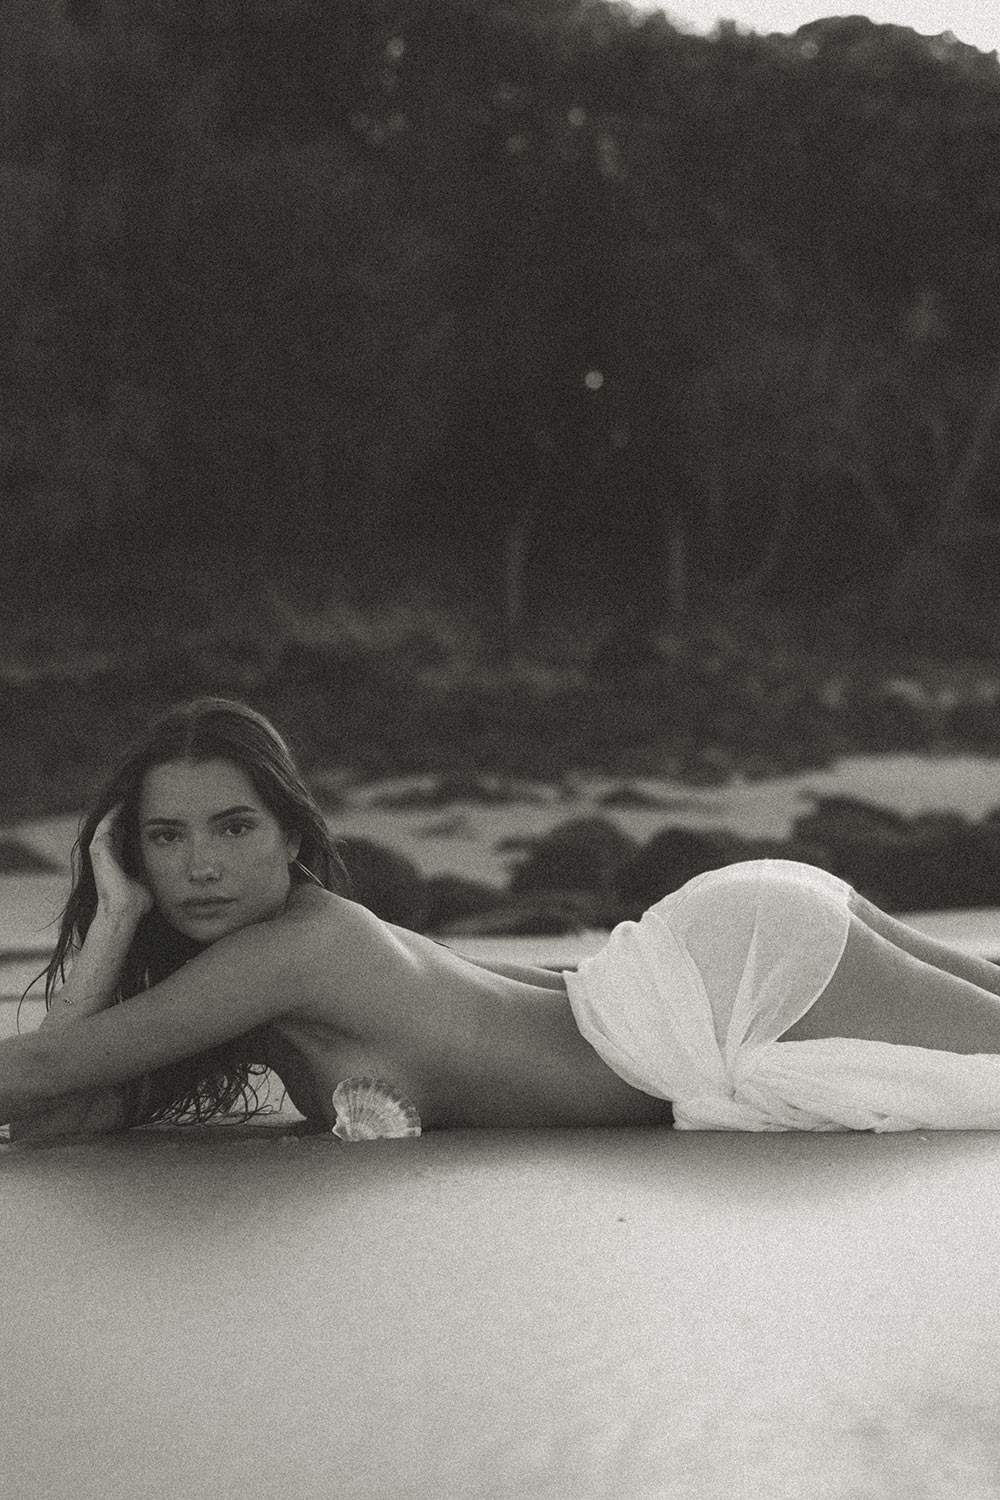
(115,889)
(104,833)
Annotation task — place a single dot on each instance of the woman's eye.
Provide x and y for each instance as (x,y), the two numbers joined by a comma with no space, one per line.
(162,837)
(238,829)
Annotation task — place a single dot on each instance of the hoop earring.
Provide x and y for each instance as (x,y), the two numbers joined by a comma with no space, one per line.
(298,865)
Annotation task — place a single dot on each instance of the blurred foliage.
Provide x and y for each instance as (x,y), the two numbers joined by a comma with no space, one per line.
(481,389)
(554,303)
(361,694)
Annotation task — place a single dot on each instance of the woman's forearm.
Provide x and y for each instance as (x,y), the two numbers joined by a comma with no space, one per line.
(33,1104)
(91,984)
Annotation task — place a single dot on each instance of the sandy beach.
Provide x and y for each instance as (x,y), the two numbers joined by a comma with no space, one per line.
(494,1315)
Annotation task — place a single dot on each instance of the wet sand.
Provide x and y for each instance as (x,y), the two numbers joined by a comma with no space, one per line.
(590,1314)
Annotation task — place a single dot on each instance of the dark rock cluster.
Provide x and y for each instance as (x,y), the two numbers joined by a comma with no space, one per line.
(587,873)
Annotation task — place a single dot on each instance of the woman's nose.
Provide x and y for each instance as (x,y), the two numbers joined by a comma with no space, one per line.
(203,863)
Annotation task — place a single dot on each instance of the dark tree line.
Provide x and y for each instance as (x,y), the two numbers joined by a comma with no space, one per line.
(548,301)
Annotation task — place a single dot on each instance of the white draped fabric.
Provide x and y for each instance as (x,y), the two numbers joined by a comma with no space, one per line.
(688,1004)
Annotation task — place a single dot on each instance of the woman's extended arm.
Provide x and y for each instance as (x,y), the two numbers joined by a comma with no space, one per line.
(90,987)
(245,979)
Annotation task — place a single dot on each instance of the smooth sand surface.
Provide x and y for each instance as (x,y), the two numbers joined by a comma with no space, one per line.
(470,1316)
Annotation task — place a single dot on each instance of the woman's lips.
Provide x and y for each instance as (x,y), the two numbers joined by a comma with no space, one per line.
(207,906)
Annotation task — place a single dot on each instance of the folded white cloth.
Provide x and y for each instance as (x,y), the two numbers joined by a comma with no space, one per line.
(688,1004)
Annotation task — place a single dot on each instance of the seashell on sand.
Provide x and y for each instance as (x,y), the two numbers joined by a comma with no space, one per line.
(369,1109)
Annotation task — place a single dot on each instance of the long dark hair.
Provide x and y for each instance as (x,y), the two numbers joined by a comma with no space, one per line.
(208,1083)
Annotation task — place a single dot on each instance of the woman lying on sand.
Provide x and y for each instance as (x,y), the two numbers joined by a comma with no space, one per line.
(211,934)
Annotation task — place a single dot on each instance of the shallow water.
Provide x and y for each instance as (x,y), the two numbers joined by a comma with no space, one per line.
(548,1315)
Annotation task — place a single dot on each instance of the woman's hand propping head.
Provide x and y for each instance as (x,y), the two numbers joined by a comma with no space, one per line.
(118,894)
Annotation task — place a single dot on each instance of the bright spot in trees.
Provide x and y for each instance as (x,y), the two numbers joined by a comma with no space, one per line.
(608,157)
(593,380)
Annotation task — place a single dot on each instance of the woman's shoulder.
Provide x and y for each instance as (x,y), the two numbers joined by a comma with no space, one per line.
(313,908)
(306,903)
(295,936)
(320,925)
(332,933)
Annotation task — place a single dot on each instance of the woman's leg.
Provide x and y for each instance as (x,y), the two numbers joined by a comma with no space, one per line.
(895,985)
(964,965)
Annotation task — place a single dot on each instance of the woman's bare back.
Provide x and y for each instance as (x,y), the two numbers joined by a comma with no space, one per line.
(471,1045)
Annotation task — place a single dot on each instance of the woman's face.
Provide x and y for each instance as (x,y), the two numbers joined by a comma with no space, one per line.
(215,858)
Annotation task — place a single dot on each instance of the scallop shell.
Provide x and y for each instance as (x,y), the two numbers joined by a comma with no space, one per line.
(370,1108)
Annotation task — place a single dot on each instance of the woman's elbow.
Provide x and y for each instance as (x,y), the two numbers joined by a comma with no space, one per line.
(44,1062)
(101,1112)
(29,1074)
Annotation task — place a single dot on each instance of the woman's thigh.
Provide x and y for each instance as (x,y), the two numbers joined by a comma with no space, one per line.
(882,992)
